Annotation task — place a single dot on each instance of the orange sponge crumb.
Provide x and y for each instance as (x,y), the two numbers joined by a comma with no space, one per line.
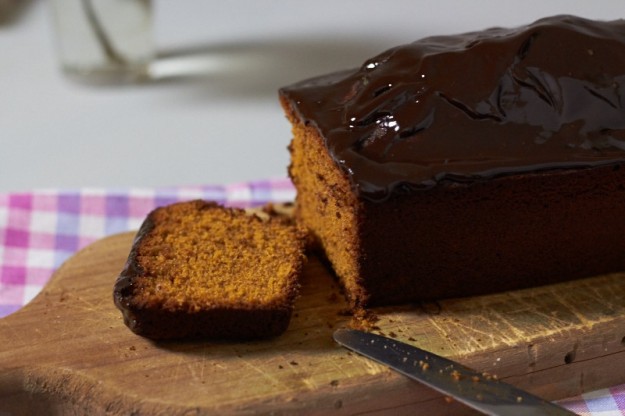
(197,269)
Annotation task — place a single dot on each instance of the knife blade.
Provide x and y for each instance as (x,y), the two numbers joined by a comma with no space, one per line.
(477,390)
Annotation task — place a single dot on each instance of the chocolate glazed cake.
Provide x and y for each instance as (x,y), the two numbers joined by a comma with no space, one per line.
(460,165)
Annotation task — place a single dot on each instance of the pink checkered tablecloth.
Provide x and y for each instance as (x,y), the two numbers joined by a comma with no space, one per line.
(39,230)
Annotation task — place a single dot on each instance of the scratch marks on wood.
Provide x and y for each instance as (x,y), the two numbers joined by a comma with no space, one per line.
(197,367)
(516,317)
(262,370)
(176,368)
(511,332)
(573,309)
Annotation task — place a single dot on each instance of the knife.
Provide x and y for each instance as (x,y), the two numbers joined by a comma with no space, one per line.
(477,390)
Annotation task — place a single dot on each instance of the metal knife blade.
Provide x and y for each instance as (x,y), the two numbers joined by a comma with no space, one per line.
(476,390)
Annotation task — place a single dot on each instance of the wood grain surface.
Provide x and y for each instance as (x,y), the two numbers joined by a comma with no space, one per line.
(68,351)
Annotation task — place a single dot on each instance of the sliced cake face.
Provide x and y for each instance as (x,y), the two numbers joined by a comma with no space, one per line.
(196,266)
(475,106)
(326,204)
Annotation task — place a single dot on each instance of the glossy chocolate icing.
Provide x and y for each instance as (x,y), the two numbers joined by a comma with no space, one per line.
(470,107)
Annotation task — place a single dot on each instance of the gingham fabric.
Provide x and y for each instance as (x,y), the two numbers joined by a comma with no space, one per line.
(39,230)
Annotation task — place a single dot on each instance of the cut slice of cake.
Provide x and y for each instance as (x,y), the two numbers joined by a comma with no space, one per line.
(199,270)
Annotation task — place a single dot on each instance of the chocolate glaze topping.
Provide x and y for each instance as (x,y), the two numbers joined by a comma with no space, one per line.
(469,107)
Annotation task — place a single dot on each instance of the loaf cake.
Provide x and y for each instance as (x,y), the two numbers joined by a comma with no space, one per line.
(199,270)
(466,164)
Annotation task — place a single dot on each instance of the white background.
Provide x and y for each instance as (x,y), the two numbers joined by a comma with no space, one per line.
(223,126)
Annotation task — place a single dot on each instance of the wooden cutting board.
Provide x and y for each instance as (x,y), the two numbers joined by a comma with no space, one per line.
(68,351)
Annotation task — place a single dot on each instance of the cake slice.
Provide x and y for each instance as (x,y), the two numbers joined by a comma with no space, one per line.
(466,164)
(199,270)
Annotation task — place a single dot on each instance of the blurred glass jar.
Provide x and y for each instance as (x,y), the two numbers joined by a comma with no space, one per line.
(105,41)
